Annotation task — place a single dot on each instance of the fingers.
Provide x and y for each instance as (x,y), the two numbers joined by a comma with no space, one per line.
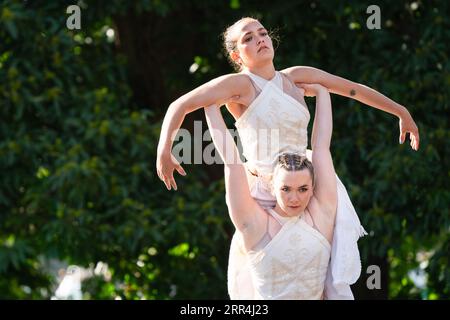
(172,183)
(159,174)
(165,173)
(180,170)
(169,181)
(414,142)
(166,183)
(417,140)
(306,87)
(306,90)
(414,139)
(402,137)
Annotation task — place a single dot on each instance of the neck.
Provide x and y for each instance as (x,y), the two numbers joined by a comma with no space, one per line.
(266,71)
(280,211)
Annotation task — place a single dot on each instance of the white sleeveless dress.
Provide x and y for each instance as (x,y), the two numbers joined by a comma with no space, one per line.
(293,265)
(273,124)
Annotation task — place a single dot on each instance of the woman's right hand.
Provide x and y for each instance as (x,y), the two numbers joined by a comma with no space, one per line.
(165,166)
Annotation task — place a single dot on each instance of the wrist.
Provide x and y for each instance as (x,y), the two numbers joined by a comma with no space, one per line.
(322,93)
(402,112)
(163,149)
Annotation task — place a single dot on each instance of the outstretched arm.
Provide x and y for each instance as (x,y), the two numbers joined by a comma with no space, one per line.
(216,91)
(362,93)
(325,177)
(242,207)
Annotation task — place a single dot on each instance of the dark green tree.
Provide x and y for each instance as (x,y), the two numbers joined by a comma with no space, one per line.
(80,118)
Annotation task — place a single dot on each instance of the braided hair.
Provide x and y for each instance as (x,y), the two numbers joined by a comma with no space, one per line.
(293,162)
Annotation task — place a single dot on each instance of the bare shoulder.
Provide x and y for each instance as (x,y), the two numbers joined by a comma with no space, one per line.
(300,73)
(245,94)
(296,69)
(220,90)
(235,79)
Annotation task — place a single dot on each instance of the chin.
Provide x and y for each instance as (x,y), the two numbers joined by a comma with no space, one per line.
(266,55)
(292,212)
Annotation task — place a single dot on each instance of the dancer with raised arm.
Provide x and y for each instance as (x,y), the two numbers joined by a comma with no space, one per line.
(272,118)
(289,246)
(250,48)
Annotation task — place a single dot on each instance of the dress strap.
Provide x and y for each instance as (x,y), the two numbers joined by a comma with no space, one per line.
(312,219)
(278,80)
(259,82)
(266,238)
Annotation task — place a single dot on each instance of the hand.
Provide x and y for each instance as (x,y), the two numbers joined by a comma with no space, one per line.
(312,89)
(406,125)
(165,166)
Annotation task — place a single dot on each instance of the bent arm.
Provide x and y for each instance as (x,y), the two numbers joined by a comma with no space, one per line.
(362,93)
(216,91)
(346,88)
(241,205)
(325,189)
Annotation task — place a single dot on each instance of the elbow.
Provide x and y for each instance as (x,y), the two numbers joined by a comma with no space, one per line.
(181,107)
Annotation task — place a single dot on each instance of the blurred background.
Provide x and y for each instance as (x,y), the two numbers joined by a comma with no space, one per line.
(83,214)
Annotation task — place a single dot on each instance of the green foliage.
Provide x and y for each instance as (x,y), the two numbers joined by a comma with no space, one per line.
(78,142)
(78,162)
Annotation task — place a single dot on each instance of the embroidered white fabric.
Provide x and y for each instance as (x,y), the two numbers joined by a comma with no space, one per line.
(274,109)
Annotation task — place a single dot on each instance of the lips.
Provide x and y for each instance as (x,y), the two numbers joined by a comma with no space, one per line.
(263,47)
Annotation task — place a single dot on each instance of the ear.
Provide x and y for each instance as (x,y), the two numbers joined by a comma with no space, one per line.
(235,56)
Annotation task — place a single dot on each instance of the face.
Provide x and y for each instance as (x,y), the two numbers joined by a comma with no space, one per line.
(293,190)
(254,46)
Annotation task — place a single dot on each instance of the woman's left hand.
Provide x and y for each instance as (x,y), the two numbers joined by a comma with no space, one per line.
(312,89)
(407,124)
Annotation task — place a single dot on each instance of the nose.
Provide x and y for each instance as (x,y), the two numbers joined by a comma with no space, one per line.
(260,39)
(295,199)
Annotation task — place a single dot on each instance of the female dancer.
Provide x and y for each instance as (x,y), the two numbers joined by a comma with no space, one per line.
(289,246)
(271,118)
(250,47)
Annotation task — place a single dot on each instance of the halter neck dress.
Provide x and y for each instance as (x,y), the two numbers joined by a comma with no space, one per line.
(275,123)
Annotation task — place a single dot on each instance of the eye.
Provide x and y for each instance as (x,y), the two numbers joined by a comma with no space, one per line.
(303,189)
(285,189)
(248,39)
(264,33)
